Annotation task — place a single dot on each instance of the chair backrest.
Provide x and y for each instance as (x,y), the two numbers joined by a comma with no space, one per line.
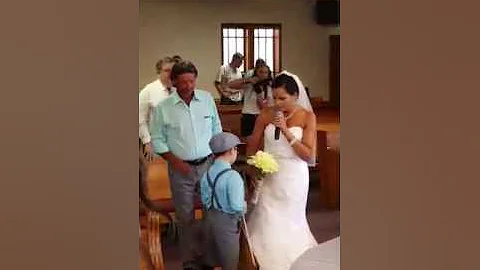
(158,182)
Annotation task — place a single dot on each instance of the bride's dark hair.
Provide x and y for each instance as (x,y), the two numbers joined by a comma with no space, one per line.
(288,82)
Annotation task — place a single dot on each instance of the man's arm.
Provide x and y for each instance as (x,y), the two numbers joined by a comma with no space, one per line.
(157,131)
(240,83)
(219,81)
(143,113)
(159,142)
(261,102)
(178,164)
(220,89)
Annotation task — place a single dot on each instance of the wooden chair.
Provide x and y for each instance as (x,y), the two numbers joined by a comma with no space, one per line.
(247,260)
(146,262)
(157,197)
(159,193)
(150,241)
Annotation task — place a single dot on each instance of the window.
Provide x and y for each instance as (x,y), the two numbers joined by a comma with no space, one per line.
(253,41)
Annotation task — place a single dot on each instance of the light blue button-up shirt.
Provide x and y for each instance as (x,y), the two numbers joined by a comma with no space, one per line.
(184,130)
(229,189)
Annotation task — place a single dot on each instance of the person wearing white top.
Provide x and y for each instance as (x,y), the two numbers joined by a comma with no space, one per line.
(149,97)
(250,72)
(279,209)
(258,95)
(229,81)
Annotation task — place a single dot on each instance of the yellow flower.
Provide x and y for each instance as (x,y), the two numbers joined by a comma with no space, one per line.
(264,162)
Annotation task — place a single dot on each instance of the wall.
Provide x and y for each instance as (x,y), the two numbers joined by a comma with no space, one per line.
(192,29)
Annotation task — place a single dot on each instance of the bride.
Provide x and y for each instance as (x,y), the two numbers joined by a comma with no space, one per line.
(278,227)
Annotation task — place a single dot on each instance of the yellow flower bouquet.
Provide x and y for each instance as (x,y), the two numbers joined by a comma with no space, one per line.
(264,164)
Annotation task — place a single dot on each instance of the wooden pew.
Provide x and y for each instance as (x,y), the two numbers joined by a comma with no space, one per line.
(328,157)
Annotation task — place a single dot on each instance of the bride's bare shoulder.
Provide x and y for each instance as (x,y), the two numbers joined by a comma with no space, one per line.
(310,114)
(306,113)
(306,116)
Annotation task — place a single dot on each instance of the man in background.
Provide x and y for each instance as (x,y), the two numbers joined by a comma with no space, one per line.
(149,97)
(230,94)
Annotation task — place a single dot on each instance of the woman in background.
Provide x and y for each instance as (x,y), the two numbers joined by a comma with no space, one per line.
(258,95)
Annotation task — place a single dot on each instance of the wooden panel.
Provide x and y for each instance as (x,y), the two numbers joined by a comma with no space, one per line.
(231,123)
(322,164)
(328,157)
(230,116)
(328,166)
(332,184)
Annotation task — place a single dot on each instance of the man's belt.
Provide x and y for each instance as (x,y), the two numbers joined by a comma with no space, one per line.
(198,161)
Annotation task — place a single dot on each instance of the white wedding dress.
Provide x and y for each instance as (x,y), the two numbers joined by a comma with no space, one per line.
(278,227)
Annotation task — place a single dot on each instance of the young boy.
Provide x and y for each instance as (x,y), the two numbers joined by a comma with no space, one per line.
(223,199)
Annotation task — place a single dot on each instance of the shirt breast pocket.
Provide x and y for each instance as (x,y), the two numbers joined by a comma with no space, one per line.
(207,123)
(173,129)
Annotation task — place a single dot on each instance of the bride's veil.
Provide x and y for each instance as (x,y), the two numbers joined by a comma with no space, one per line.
(304,101)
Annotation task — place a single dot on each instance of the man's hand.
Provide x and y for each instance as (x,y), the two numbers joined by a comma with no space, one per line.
(178,165)
(148,151)
(182,167)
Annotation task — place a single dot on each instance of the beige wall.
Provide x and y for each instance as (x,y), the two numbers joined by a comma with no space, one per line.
(192,30)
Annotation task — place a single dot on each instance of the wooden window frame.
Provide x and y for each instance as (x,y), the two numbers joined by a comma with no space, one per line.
(249,39)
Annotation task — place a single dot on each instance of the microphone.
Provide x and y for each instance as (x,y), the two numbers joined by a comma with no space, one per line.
(277,129)
(277,133)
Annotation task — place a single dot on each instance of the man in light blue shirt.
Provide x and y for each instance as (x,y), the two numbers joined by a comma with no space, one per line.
(181,128)
(223,197)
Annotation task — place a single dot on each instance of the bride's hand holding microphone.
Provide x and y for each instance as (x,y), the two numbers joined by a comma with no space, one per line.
(280,123)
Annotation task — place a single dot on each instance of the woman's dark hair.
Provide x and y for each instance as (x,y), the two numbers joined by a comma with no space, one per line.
(260,86)
(183,67)
(260,61)
(257,67)
(287,82)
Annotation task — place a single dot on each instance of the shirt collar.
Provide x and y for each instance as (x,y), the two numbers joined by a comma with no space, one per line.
(177,98)
(223,163)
